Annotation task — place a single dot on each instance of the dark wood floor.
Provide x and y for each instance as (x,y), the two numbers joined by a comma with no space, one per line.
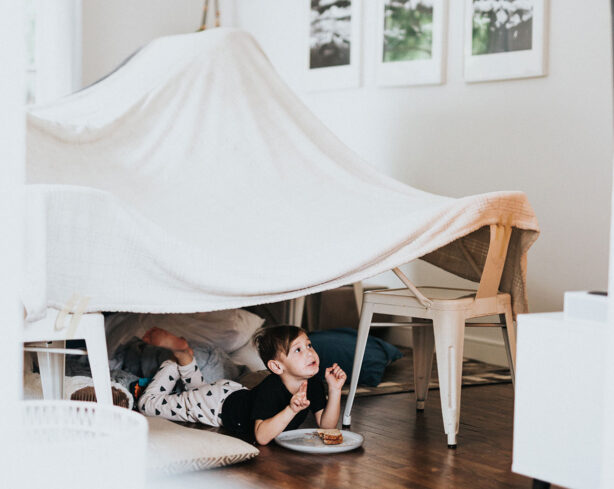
(403,449)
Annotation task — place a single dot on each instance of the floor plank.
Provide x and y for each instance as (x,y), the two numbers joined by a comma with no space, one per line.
(403,449)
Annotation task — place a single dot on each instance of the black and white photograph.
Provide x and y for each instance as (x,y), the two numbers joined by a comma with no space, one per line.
(501,26)
(332,37)
(330,33)
(505,39)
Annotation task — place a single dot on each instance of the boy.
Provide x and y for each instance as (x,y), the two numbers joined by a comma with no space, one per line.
(277,404)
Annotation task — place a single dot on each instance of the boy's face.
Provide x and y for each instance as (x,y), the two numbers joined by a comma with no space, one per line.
(302,361)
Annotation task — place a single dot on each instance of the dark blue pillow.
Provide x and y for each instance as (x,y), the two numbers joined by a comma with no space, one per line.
(338,345)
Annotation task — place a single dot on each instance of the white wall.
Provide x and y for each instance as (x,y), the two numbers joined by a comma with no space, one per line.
(12,156)
(114,29)
(58,48)
(550,137)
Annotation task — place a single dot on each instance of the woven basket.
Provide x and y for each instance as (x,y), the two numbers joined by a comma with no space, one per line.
(75,444)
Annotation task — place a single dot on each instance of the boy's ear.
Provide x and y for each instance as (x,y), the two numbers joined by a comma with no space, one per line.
(275,367)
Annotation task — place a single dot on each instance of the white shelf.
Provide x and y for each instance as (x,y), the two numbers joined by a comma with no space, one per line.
(584,305)
(559,399)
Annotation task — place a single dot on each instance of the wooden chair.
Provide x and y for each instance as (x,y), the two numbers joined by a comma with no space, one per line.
(447,312)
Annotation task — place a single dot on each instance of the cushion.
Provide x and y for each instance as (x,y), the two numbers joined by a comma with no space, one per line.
(173,449)
(338,345)
(228,329)
(248,355)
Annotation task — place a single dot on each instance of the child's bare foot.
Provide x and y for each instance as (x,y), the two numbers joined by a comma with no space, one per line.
(161,337)
(179,346)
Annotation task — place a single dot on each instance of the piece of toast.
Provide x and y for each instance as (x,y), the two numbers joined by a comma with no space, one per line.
(330,437)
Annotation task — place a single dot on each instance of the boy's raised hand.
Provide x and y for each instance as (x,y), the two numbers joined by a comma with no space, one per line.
(299,400)
(335,377)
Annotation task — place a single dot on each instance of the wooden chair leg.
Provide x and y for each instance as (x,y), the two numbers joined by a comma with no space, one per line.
(361,344)
(312,307)
(295,311)
(423,347)
(509,338)
(449,332)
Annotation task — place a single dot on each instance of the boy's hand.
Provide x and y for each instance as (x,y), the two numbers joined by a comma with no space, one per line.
(335,377)
(299,400)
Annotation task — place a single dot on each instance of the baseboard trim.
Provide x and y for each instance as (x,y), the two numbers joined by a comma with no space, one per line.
(477,348)
(485,341)
(485,350)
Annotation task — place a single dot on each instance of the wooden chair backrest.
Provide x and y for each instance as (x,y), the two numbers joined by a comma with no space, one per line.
(495,260)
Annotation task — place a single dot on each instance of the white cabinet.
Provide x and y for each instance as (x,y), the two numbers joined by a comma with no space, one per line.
(558,414)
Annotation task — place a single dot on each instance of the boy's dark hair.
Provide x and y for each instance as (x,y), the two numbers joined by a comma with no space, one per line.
(273,340)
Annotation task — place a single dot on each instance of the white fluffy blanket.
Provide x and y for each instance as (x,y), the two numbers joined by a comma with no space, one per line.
(192,179)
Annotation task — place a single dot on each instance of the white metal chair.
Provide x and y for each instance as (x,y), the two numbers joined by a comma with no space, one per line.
(449,310)
(47,338)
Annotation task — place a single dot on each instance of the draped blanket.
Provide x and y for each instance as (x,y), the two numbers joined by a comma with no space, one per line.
(193,179)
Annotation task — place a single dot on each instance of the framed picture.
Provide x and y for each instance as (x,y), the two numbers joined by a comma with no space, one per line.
(333,54)
(411,42)
(505,39)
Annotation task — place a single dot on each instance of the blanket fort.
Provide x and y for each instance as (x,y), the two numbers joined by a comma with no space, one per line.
(192,179)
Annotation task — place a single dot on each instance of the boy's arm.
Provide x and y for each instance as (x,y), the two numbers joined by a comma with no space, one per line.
(328,417)
(267,429)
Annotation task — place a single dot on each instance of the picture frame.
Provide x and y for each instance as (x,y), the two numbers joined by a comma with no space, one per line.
(411,42)
(333,40)
(505,39)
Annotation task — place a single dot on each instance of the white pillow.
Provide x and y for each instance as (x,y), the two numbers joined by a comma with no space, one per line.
(229,329)
(173,449)
(248,355)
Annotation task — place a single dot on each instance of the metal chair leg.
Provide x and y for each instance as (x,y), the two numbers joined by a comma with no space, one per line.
(361,344)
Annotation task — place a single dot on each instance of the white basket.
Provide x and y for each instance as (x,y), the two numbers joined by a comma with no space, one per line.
(73,444)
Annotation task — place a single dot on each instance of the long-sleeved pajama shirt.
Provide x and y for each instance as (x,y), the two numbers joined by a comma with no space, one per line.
(199,403)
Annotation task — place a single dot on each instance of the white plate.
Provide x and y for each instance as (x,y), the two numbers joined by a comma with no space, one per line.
(306,440)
